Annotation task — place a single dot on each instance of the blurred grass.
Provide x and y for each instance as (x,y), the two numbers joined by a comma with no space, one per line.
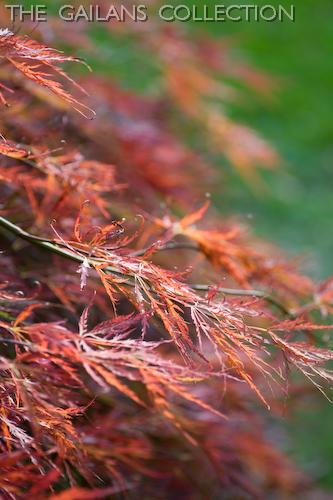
(297,212)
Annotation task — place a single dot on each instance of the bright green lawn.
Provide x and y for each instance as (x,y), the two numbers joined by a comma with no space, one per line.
(298,210)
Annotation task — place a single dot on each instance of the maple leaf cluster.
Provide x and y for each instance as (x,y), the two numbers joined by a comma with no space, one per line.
(141,332)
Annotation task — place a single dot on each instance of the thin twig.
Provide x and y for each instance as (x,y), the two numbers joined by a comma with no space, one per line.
(168,246)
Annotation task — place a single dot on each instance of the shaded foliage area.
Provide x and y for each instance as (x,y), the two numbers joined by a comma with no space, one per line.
(125,371)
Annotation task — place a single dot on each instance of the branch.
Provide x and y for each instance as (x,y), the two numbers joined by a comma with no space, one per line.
(54,247)
(246,293)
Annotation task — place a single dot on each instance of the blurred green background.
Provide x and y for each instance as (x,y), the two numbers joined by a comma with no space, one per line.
(296,210)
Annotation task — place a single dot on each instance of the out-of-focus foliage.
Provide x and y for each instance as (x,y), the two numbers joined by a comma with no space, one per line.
(124,371)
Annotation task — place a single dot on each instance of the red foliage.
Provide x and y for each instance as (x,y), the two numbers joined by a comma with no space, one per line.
(157,399)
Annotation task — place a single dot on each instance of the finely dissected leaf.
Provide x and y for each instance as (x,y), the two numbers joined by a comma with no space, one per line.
(40,64)
(11,150)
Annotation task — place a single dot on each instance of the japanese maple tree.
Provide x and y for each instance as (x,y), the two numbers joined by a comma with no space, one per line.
(143,335)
